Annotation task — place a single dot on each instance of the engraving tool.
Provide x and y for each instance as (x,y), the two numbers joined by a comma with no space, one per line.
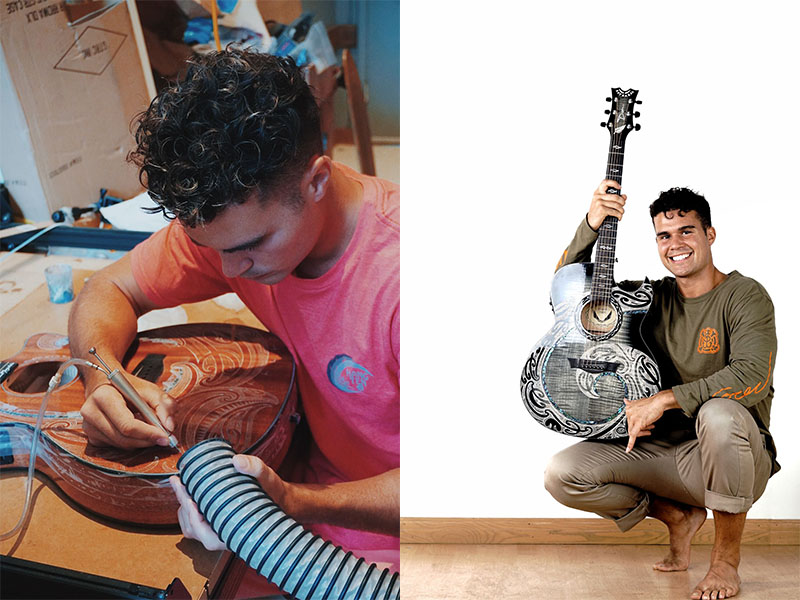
(126,389)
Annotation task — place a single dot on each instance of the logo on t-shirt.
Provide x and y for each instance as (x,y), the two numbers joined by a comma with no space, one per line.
(347,375)
(709,341)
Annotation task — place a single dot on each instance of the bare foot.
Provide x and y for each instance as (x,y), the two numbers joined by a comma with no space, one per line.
(682,521)
(721,581)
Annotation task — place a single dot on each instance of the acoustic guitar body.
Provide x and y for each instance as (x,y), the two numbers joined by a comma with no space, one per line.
(578,375)
(228,381)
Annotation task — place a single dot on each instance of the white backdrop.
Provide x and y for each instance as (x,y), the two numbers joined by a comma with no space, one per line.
(501,151)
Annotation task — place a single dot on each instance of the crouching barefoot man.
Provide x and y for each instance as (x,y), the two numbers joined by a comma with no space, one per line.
(703,442)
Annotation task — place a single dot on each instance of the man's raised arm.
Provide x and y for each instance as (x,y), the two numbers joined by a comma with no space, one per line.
(603,204)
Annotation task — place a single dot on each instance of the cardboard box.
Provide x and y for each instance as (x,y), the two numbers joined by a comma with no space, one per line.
(68,95)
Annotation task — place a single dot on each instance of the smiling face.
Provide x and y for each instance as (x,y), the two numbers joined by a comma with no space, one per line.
(683,246)
(262,240)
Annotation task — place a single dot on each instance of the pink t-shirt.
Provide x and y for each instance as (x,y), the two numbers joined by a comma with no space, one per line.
(342,328)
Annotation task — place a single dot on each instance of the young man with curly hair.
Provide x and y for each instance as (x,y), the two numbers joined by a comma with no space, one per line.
(703,441)
(233,152)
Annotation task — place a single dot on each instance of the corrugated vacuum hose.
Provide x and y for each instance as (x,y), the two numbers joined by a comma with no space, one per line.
(254,528)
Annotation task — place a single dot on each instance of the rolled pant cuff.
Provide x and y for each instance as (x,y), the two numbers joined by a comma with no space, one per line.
(636,515)
(728,504)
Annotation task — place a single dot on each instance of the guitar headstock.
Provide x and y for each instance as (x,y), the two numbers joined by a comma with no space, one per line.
(621,114)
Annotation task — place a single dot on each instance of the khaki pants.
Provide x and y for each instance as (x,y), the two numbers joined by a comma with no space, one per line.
(726,468)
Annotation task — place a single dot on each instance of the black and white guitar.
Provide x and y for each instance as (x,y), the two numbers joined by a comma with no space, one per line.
(578,375)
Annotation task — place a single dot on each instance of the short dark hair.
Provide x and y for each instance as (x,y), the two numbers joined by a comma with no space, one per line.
(683,200)
(237,122)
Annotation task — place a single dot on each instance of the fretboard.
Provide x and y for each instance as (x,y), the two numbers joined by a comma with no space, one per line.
(603,278)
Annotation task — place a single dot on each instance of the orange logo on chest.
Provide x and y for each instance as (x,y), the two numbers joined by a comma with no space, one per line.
(709,341)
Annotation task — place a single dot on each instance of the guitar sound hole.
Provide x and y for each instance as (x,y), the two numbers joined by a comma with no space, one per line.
(599,318)
(34,378)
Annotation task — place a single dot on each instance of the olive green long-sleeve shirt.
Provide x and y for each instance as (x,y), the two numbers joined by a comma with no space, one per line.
(719,345)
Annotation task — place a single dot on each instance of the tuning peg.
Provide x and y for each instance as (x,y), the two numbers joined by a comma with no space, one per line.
(608,112)
(603,124)
(637,127)
(636,114)
(608,99)
(638,102)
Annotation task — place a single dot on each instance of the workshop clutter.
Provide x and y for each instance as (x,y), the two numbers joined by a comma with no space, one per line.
(305,41)
(240,25)
(72,84)
(68,94)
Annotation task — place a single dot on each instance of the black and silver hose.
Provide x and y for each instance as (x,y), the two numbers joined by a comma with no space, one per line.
(257,530)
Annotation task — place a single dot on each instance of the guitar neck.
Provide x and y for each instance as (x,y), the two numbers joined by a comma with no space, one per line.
(605,249)
(619,125)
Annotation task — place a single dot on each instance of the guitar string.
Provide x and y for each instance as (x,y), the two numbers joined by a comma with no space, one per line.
(610,233)
(601,292)
(601,282)
(615,164)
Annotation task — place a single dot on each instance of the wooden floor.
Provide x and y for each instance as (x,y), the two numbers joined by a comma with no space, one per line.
(555,572)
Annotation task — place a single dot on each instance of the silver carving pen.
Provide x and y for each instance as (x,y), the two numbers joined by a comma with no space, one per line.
(126,389)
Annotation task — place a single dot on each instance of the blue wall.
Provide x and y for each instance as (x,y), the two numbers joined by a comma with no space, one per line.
(377,55)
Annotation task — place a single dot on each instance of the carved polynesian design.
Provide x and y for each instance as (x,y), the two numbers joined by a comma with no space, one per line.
(229,381)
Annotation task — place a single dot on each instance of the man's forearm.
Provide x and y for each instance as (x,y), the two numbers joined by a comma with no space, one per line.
(667,399)
(104,318)
(371,504)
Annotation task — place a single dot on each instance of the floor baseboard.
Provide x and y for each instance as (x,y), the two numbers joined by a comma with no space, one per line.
(415,530)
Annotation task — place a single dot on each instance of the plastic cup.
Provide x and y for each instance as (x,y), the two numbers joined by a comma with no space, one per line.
(59,283)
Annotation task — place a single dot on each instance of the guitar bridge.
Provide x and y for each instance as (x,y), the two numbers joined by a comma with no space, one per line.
(593,366)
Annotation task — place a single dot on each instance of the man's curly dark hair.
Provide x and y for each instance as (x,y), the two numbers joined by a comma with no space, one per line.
(237,122)
(683,200)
